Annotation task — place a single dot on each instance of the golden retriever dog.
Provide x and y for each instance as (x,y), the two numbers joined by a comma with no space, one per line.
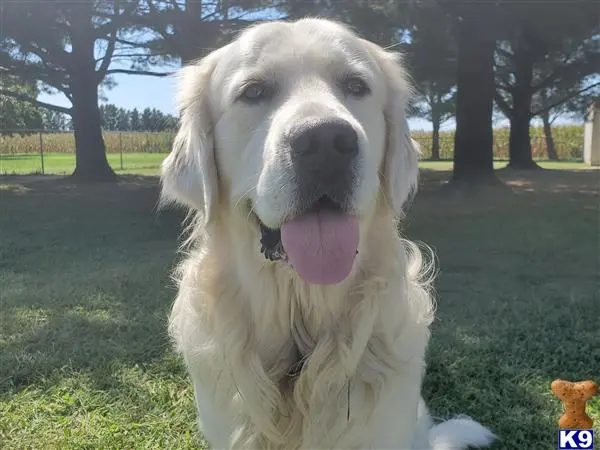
(301,314)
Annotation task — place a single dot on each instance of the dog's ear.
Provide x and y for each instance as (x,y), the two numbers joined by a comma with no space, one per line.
(401,163)
(189,172)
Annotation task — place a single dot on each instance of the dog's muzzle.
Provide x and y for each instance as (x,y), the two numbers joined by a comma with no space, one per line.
(324,161)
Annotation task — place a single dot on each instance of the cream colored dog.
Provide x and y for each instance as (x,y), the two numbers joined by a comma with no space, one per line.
(302,316)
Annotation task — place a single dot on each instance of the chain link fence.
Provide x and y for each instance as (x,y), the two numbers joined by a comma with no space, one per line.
(43,152)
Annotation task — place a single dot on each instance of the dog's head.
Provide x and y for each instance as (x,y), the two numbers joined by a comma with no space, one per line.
(299,128)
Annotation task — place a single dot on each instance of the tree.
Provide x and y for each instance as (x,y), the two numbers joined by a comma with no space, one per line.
(474,26)
(68,47)
(55,121)
(437,104)
(110,117)
(146,119)
(564,98)
(431,57)
(473,140)
(123,120)
(559,47)
(134,122)
(170,122)
(380,21)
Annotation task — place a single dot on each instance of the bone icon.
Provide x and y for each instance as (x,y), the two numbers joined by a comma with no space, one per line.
(574,396)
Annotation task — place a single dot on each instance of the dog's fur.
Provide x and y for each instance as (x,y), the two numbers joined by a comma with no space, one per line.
(244,324)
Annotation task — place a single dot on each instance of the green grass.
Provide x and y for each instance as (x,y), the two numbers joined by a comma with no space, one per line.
(58,163)
(84,271)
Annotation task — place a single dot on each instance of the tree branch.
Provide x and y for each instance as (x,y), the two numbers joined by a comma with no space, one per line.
(138,72)
(564,99)
(33,101)
(108,54)
(131,44)
(564,66)
(118,19)
(45,74)
(135,55)
(502,104)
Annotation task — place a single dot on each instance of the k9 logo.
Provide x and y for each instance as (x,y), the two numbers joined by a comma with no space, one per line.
(575,439)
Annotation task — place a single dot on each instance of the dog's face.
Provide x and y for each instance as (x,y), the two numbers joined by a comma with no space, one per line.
(299,126)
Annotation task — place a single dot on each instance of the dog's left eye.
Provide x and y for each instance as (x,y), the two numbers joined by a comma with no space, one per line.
(254,92)
(356,86)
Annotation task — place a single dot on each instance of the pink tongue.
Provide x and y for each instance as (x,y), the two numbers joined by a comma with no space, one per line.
(321,246)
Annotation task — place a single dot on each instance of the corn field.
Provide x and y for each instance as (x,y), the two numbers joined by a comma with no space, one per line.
(64,142)
(568,141)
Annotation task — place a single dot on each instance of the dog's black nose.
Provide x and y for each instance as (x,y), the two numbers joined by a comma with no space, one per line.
(325,141)
(324,156)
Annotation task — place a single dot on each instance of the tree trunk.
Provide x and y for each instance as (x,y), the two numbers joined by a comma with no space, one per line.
(435,136)
(90,153)
(473,142)
(519,144)
(191,37)
(552,155)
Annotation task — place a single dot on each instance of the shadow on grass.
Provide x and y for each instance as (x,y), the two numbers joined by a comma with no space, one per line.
(549,181)
(85,276)
(517,302)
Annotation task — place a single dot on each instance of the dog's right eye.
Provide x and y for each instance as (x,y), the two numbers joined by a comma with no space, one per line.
(255,92)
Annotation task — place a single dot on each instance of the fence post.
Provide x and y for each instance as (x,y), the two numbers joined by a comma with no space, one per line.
(121,148)
(42,151)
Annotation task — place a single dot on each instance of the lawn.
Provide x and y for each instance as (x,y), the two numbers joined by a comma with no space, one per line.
(84,271)
(59,163)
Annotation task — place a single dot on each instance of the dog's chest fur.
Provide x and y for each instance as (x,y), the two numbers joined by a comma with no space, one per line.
(291,362)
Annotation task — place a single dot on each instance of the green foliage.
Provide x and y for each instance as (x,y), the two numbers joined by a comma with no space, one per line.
(17,114)
(22,117)
(563,48)
(134,120)
(121,119)
(184,30)
(431,58)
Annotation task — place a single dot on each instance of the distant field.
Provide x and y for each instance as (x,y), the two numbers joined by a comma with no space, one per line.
(568,141)
(57,163)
